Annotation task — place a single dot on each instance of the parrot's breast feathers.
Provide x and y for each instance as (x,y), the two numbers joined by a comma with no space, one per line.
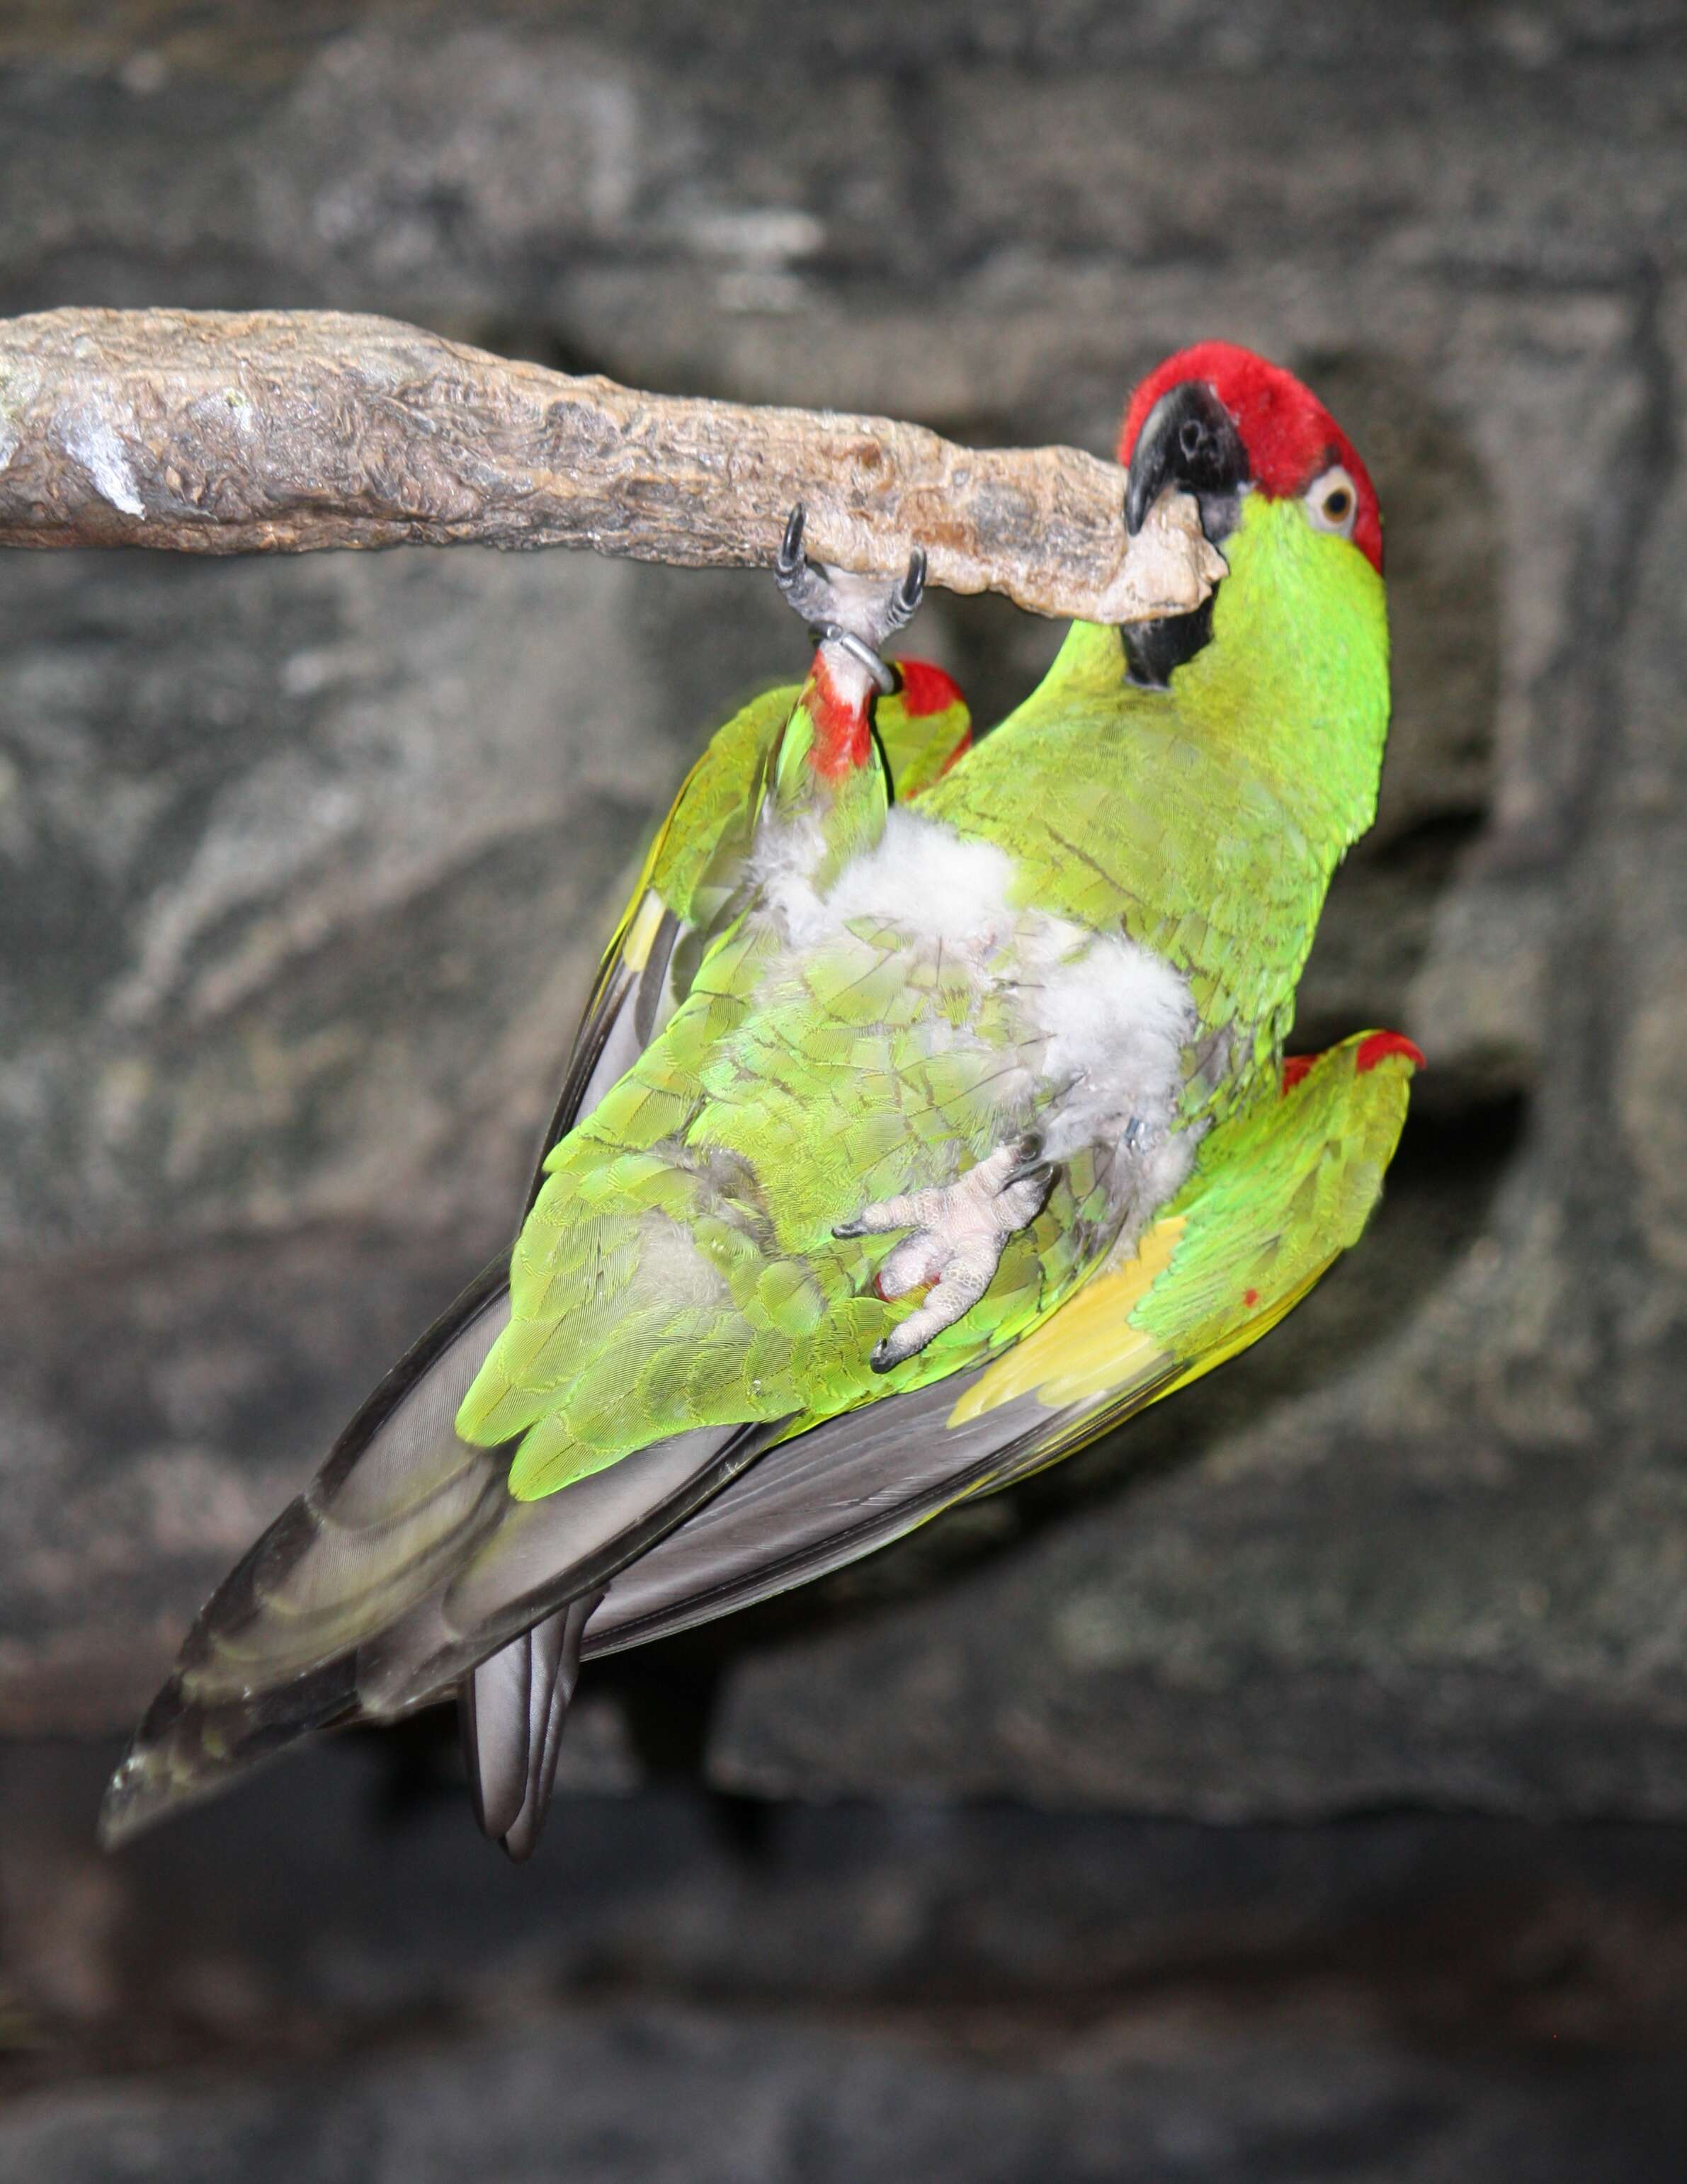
(919,877)
(1076,1034)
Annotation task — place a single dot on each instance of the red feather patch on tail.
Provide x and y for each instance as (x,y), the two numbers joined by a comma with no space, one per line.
(1376,1047)
(1380,1044)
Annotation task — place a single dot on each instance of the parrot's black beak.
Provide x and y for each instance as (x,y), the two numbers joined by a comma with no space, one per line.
(1188,439)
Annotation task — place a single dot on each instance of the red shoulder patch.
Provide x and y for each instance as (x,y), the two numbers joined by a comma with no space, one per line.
(1382,1044)
(927,689)
(1295,1067)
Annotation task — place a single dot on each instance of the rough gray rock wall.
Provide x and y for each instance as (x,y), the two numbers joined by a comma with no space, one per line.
(301,869)
(305,863)
(802,2105)
(316,1980)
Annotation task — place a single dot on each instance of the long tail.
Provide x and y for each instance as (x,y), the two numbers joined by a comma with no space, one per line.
(403,1566)
(512,1710)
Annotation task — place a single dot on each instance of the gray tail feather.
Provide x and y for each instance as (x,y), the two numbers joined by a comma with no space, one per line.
(184,1753)
(273,1655)
(512,1709)
(402,1567)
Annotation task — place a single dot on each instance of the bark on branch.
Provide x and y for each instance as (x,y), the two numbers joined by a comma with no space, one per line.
(283,431)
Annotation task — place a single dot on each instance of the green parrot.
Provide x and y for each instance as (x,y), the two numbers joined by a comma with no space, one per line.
(696,864)
(904,1150)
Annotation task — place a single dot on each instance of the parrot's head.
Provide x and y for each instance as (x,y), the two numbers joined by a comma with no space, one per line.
(1221,423)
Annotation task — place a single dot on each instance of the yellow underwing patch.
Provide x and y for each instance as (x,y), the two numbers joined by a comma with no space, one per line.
(642,931)
(1088,1347)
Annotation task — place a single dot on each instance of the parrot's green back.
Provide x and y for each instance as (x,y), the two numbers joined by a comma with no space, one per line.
(679,1268)
(678,1262)
(1227,799)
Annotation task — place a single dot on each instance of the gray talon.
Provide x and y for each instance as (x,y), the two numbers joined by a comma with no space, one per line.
(1029,1161)
(805,586)
(905,600)
(853,612)
(789,560)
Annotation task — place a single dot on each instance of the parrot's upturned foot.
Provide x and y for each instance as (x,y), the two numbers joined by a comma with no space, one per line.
(855,613)
(959,1233)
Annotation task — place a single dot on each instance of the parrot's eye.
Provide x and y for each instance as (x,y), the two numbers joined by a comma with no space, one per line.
(1332,502)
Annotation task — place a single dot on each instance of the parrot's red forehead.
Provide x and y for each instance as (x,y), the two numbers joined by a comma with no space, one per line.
(1289,436)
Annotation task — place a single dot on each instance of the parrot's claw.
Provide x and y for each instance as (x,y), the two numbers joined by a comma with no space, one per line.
(1028,1164)
(959,1232)
(855,613)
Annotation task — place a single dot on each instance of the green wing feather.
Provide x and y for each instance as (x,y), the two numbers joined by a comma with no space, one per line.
(694,866)
(1277,1194)
(1275,1197)
(678,1269)
(397,1566)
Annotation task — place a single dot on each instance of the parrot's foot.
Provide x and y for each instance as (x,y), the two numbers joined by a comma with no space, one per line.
(854,613)
(959,1233)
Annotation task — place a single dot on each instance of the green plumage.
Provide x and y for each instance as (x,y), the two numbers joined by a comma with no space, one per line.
(679,1267)
(1206,820)
(696,861)
(1278,1192)
(1021,1043)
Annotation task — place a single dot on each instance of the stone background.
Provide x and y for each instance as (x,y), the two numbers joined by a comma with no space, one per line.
(302,867)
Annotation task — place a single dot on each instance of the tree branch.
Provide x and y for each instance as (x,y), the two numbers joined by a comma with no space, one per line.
(285,432)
